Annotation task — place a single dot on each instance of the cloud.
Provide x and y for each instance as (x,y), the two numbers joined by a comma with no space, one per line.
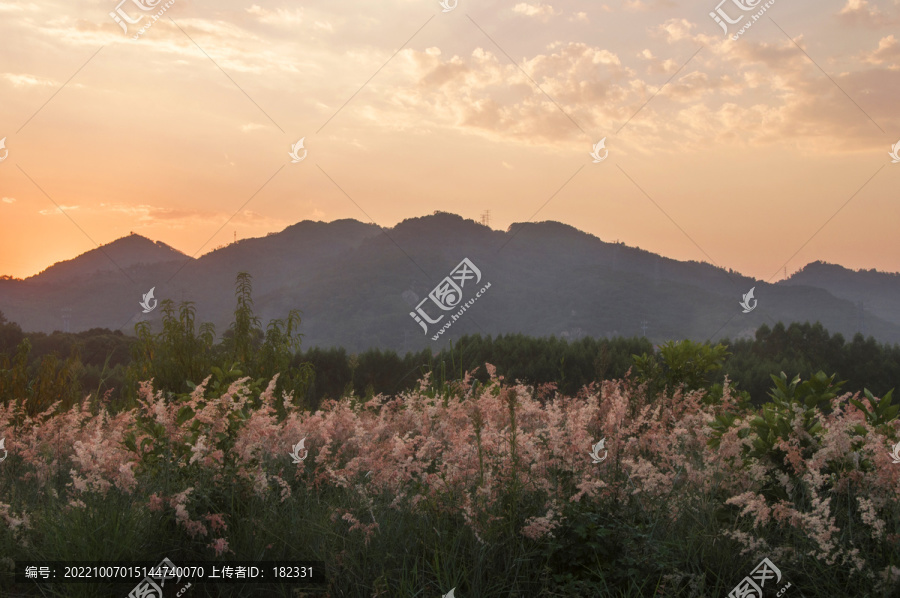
(8,200)
(888,50)
(675,30)
(761,92)
(23,80)
(655,66)
(859,12)
(279,17)
(580,17)
(540,11)
(56,211)
(488,95)
(639,6)
(792,100)
(752,93)
(148,215)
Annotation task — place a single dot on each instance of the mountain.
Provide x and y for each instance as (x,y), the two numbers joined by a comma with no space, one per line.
(357,284)
(877,292)
(127,252)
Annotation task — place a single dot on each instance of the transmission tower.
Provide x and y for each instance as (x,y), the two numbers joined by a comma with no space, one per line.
(66,315)
(486,218)
(644,328)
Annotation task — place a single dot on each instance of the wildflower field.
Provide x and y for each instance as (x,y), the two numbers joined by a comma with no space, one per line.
(489,489)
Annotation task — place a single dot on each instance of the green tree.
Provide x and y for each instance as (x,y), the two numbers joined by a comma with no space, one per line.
(680,363)
(176,357)
(183,354)
(44,383)
(246,331)
(11,335)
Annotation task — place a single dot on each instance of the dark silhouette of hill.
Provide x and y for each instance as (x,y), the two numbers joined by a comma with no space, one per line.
(127,252)
(356,285)
(877,292)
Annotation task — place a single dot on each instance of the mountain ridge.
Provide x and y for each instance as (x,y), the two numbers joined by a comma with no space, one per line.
(356,284)
(121,253)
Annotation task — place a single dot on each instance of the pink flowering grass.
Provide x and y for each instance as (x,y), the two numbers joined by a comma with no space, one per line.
(483,487)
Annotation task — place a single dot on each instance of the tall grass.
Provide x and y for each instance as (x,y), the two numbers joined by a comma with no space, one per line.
(485,489)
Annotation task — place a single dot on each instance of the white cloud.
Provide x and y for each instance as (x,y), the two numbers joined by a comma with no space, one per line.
(888,50)
(276,17)
(56,211)
(639,6)
(859,12)
(676,29)
(541,11)
(580,16)
(23,80)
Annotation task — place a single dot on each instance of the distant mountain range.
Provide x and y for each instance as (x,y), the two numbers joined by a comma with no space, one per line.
(357,284)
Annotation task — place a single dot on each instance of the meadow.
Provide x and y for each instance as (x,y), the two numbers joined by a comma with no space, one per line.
(485,488)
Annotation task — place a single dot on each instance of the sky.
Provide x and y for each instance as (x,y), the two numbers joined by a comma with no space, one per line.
(759,150)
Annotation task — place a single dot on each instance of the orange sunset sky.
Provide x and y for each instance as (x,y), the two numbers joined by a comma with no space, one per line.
(753,153)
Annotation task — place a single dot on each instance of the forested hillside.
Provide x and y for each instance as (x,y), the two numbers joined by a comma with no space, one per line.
(100,360)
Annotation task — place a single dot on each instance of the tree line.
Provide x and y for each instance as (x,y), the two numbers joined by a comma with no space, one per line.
(45,368)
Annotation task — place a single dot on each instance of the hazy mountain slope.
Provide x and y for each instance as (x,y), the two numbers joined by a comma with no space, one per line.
(357,284)
(879,292)
(122,253)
